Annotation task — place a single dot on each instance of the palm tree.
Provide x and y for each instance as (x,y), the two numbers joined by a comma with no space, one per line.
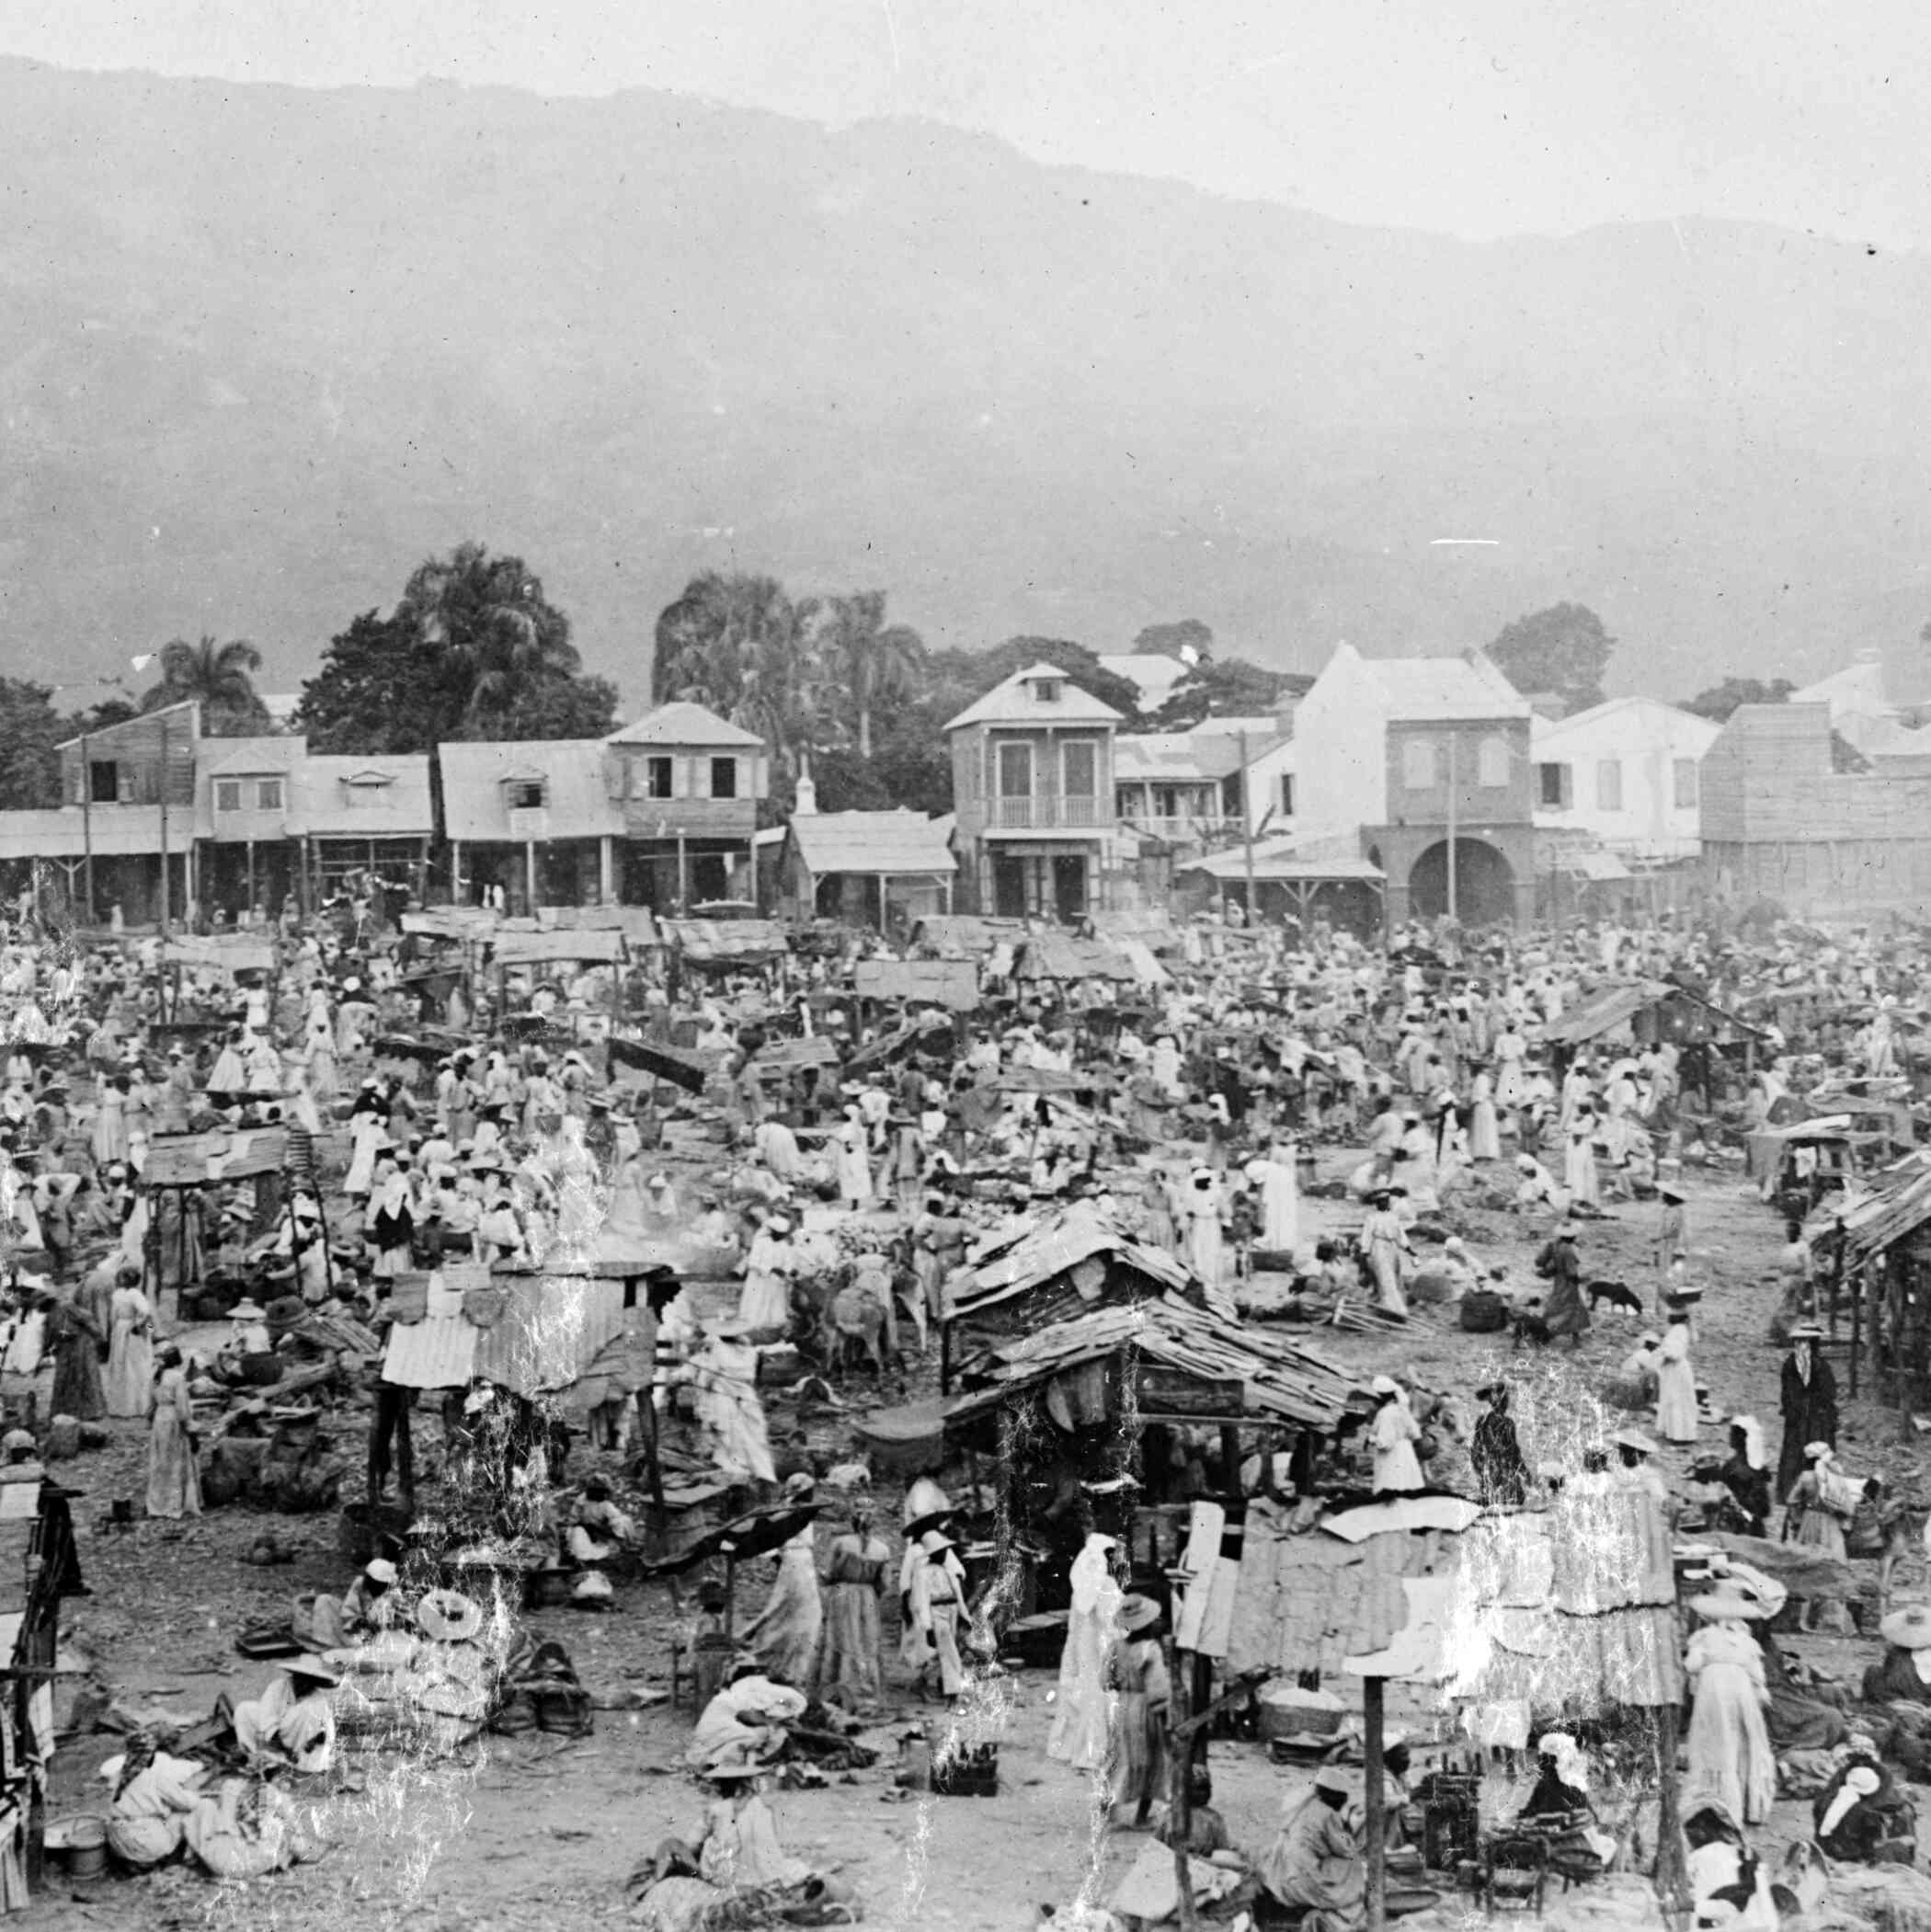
(870,659)
(219,676)
(740,646)
(497,636)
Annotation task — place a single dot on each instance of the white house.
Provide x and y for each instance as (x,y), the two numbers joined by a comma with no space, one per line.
(1626,772)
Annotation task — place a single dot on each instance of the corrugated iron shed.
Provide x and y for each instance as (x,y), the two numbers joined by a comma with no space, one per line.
(898,844)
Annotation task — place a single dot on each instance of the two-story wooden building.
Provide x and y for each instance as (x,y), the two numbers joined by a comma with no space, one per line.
(661,813)
(1417,758)
(1033,789)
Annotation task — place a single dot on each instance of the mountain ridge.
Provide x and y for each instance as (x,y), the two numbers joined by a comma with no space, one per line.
(262,348)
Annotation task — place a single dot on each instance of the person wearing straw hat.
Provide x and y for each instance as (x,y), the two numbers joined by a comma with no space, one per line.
(1731,1760)
(935,1614)
(1809,1396)
(291,1722)
(1137,1674)
(1902,1676)
(1315,1860)
(1635,1470)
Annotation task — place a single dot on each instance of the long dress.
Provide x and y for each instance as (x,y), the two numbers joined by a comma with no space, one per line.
(1207,1245)
(76,1338)
(851,1666)
(110,1129)
(1484,1134)
(854,1169)
(1280,1203)
(174,1484)
(1730,1754)
(128,1383)
(1392,1436)
(784,1639)
(1080,1720)
(766,1300)
(1676,1389)
(1384,1245)
(1136,1759)
(934,1612)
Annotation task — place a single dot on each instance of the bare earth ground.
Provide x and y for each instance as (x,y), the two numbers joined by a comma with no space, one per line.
(541,1831)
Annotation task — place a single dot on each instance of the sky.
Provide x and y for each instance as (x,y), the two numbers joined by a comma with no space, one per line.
(1480,120)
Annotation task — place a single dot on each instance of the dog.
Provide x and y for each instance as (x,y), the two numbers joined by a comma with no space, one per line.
(1530,1327)
(1616,1295)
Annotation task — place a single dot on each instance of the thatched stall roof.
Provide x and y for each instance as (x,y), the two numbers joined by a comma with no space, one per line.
(1186,1361)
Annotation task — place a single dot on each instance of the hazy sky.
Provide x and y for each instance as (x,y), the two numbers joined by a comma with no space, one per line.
(1481,119)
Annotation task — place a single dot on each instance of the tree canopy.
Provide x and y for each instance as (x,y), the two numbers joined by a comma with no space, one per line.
(1719,700)
(1563,650)
(1175,640)
(220,677)
(472,650)
(1227,688)
(31,729)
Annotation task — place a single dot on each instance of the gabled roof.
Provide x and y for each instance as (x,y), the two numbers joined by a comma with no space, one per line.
(683,723)
(881,843)
(1432,690)
(576,798)
(256,757)
(1642,717)
(1014,701)
(386,797)
(1860,689)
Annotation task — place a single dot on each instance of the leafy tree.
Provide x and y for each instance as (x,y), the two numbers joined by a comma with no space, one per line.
(472,650)
(1720,700)
(1563,650)
(1175,640)
(866,660)
(31,729)
(220,677)
(741,646)
(1229,688)
(971,674)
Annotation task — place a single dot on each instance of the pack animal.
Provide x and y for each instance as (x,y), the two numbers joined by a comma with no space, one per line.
(1618,1294)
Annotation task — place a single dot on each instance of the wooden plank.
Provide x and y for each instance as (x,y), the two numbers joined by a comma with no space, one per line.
(1217,1627)
(1200,1559)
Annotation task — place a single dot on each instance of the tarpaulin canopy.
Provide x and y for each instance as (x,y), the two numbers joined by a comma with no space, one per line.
(236,954)
(535,948)
(682,1068)
(951,983)
(205,1159)
(728,941)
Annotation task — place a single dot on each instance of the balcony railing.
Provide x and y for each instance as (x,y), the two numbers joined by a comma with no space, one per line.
(1185,827)
(1048,811)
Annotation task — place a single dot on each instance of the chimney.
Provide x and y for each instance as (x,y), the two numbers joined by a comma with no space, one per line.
(807,800)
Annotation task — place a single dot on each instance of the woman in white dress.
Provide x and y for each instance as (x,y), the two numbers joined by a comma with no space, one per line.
(1080,1720)
(766,1301)
(129,1382)
(1676,1385)
(1578,1170)
(855,1166)
(1730,1761)
(1392,1436)
(1484,1131)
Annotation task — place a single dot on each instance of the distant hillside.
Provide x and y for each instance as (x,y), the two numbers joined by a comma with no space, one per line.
(260,350)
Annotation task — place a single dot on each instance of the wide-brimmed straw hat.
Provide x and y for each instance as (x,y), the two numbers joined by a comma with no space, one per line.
(1727,1603)
(448,1617)
(1908,1626)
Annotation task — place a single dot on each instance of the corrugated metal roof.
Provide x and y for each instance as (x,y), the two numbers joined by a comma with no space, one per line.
(1283,865)
(896,844)
(684,724)
(116,831)
(1174,758)
(1602,1012)
(1016,1258)
(1015,700)
(1057,955)
(963,935)
(533,948)
(1900,1205)
(576,805)
(706,940)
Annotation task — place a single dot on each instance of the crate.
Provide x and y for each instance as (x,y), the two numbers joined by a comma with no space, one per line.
(972,1773)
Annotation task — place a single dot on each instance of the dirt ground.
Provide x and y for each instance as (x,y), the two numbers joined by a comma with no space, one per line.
(541,1831)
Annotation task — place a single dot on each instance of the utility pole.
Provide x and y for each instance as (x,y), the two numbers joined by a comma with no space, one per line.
(1247,833)
(163,825)
(1453,909)
(86,791)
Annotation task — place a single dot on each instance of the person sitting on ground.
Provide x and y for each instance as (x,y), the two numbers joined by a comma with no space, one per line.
(368,1607)
(1561,1779)
(155,1795)
(291,1724)
(1315,1860)
(1723,1872)
(1206,1829)
(1902,1676)
(1861,1817)
(601,1529)
(1744,1474)
(745,1722)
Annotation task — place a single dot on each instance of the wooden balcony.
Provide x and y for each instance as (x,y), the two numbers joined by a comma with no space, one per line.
(1048,812)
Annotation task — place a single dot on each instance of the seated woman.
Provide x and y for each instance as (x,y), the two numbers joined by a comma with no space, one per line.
(1863,1819)
(155,1795)
(291,1724)
(1561,1779)
(745,1722)
(1724,1871)
(247,1830)
(1744,1474)
(337,1623)
(1902,1676)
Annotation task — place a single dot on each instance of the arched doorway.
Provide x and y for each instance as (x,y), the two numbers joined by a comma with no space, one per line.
(1484,883)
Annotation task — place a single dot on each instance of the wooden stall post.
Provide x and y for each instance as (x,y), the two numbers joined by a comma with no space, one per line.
(1375,1847)
(1671,1871)
(1180,1763)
